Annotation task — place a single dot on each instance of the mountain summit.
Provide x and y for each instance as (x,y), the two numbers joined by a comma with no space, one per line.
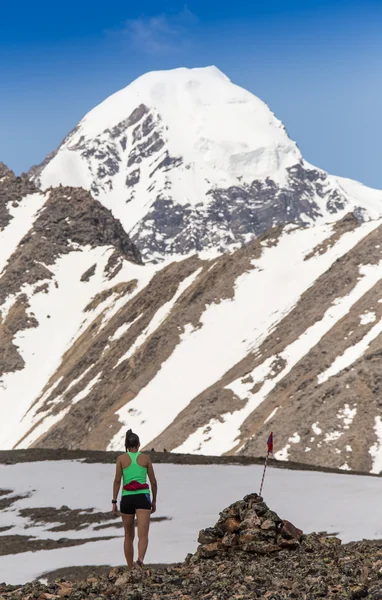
(189,161)
(202,354)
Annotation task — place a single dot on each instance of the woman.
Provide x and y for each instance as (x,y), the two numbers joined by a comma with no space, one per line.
(133,467)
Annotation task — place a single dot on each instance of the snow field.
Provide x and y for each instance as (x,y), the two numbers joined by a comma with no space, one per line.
(280,267)
(61,319)
(191,496)
(23,215)
(162,313)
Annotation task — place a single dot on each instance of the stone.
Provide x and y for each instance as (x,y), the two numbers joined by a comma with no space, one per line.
(210,550)
(229,540)
(250,535)
(113,573)
(260,547)
(375,592)
(65,589)
(251,522)
(357,592)
(208,536)
(268,525)
(289,531)
(260,508)
(123,580)
(231,525)
(289,544)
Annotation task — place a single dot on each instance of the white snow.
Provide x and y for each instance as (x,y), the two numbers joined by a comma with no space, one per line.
(345,467)
(274,411)
(224,135)
(283,454)
(87,389)
(332,436)
(192,104)
(361,196)
(120,332)
(317,430)
(23,215)
(231,329)
(225,434)
(60,316)
(351,354)
(294,495)
(368,317)
(161,314)
(347,414)
(376,449)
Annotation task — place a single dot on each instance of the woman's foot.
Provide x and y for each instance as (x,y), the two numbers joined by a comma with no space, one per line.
(140,562)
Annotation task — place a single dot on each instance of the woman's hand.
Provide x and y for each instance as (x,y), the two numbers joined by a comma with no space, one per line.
(115,510)
(153,507)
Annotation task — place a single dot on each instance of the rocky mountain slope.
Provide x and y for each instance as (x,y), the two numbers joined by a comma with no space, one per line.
(250,553)
(188,161)
(199,352)
(58,249)
(201,355)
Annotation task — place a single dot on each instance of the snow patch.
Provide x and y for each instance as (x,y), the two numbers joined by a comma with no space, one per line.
(368,317)
(24,215)
(297,495)
(274,411)
(162,313)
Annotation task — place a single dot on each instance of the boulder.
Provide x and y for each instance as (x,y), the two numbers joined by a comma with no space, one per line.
(229,540)
(249,536)
(268,525)
(289,531)
(260,547)
(208,536)
(231,525)
(210,550)
(251,522)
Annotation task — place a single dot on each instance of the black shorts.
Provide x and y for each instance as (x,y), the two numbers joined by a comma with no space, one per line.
(132,502)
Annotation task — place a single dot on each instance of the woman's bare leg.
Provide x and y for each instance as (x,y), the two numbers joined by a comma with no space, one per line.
(143,517)
(128,524)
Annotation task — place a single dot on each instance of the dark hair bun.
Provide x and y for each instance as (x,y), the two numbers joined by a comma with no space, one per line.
(131,440)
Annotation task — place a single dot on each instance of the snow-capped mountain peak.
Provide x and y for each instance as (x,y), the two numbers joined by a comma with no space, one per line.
(189,161)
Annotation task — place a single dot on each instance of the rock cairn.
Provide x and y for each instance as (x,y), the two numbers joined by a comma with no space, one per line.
(248,526)
(249,554)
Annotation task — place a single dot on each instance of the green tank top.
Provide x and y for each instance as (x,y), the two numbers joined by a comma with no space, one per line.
(134,472)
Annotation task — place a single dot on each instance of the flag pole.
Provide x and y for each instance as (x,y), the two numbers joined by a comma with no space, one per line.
(270,450)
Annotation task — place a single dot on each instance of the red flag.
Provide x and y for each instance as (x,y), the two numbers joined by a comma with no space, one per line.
(270,443)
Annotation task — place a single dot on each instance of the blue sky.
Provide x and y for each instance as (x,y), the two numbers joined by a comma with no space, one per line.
(318,64)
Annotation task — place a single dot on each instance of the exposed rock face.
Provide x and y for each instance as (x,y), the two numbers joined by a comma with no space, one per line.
(275,562)
(70,218)
(12,190)
(237,214)
(44,240)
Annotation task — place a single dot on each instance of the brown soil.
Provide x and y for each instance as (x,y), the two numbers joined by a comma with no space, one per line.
(68,519)
(6,503)
(16,320)
(15,544)
(10,457)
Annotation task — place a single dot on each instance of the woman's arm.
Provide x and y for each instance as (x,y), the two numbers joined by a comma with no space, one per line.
(117,484)
(154,485)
